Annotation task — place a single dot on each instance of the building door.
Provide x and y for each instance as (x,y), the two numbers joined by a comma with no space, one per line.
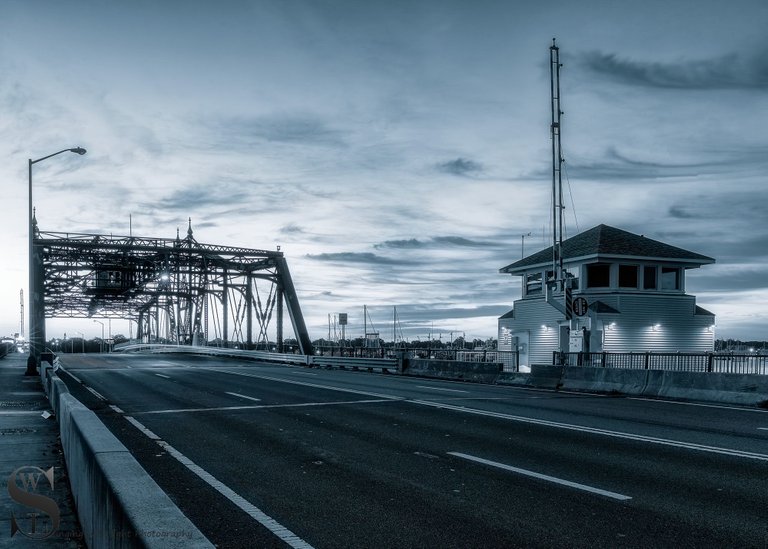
(523,340)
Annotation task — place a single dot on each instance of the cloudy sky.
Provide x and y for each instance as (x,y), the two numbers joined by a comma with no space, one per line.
(395,150)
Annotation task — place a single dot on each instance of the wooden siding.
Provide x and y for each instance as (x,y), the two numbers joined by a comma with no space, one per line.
(634,328)
(679,329)
(530,316)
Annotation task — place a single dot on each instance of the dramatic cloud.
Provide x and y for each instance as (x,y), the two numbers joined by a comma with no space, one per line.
(461,167)
(289,128)
(396,154)
(730,71)
(352,257)
(436,242)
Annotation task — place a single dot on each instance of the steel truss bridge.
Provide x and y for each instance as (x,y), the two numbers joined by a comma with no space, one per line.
(178,291)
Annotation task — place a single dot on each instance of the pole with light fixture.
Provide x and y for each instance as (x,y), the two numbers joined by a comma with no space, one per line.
(101,344)
(36,298)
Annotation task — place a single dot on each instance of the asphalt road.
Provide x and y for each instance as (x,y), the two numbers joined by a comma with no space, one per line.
(260,455)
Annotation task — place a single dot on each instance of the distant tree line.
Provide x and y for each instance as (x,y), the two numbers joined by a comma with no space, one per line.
(737,345)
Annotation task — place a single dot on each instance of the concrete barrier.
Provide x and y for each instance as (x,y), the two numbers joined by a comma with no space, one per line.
(482,372)
(740,389)
(745,389)
(546,376)
(605,380)
(118,504)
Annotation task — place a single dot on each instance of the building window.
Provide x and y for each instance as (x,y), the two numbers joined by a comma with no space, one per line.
(670,278)
(627,276)
(572,274)
(599,275)
(649,278)
(533,284)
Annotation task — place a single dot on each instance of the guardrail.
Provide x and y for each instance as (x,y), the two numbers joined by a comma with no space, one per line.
(370,364)
(679,362)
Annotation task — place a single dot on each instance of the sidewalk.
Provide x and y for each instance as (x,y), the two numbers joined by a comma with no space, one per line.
(29,447)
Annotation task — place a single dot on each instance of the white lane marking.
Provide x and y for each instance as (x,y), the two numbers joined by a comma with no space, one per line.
(604,432)
(540,476)
(720,406)
(762,428)
(254,512)
(95,393)
(116,409)
(597,431)
(260,406)
(441,389)
(308,384)
(161,375)
(21,412)
(141,428)
(244,396)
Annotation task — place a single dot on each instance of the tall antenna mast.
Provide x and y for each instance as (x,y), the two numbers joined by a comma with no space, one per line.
(557,162)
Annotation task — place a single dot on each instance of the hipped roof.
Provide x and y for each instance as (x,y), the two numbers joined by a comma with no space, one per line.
(603,242)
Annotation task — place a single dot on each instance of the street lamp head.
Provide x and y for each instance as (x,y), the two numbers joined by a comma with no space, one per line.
(79,150)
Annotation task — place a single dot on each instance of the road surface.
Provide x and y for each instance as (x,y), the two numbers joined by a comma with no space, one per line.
(261,455)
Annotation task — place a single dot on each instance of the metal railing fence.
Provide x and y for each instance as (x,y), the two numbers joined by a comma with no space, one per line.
(728,363)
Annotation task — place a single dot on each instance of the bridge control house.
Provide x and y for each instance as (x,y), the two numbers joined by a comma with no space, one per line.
(627,294)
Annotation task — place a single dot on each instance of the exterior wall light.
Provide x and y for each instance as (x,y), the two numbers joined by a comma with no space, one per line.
(656,327)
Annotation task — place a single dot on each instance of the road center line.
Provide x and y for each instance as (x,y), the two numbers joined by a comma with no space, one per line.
(699,404)
(441,389)
(533,474)
(259,407)
(163,376)
(522,419)
(244,396)
(308,384)
(597,431)
(254,512)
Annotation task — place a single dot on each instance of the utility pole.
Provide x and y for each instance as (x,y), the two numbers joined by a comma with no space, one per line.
(21,302)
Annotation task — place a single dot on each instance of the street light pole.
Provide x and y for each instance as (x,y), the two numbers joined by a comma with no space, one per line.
(36,297)
(101,345)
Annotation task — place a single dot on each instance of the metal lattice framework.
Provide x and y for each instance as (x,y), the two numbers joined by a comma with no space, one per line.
(176,290)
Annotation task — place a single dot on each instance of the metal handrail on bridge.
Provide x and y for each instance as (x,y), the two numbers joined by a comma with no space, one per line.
(383,364)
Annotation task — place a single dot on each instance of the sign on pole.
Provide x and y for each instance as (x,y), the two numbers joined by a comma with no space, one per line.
(580,306)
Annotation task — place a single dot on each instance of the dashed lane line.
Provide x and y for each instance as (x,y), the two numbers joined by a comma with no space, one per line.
(244,396)
(540,476)
(523,419)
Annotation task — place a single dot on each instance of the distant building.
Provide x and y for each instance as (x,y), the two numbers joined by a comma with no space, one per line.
(634,288)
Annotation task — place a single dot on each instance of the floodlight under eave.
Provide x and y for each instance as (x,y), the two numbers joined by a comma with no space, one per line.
(79,150)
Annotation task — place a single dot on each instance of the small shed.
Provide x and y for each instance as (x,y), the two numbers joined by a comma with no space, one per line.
(625,293)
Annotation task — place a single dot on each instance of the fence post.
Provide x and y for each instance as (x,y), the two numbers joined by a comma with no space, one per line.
(602,360)
(710,361)
(647,359)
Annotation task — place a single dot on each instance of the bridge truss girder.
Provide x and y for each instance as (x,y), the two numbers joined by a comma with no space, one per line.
(176,290)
